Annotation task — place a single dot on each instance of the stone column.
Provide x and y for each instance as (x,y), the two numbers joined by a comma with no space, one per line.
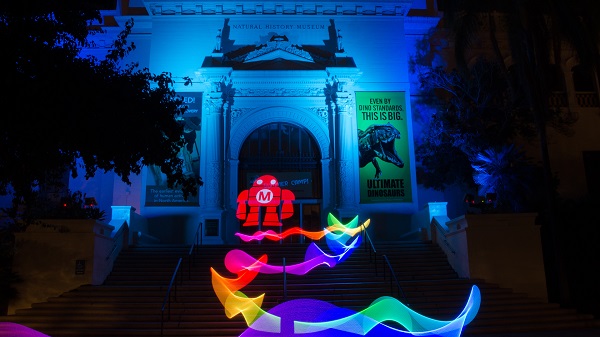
(327,197)
(340,85)
(346,156)
(212,153)
(437,209)
(231,221)
(212,163)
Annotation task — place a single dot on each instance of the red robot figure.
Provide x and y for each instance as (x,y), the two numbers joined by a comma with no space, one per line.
(266,193)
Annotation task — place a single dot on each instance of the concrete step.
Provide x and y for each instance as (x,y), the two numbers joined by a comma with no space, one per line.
(129,303)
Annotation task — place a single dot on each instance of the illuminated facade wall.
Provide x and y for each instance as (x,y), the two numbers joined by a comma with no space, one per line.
(338,70)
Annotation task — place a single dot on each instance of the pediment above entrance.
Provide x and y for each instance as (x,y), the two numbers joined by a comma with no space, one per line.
(278,49)
(278,53)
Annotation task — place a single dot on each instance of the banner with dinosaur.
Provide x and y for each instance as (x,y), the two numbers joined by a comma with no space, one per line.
(383,149)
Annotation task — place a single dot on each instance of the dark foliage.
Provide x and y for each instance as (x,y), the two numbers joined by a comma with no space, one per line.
(472,115)
(74,206)
(533,34)
(59,107)
(508,175)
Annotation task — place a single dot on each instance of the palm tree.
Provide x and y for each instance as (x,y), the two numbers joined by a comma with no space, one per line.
(507,173)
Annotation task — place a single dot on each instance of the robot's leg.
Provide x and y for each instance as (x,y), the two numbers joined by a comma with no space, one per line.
(271,217)
(252,218)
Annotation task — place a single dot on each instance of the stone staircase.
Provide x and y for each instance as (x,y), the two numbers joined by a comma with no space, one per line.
(432,288)
(129,303)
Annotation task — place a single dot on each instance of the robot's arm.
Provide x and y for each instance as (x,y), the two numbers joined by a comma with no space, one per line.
(287,209)
(241,209)
(287,195)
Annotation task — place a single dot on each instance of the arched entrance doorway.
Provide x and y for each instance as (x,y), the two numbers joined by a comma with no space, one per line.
(289,153)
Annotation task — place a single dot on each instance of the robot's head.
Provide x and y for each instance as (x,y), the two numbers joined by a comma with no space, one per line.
(266,181)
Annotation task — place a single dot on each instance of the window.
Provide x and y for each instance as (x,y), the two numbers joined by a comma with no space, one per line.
(585,90)
(284,149)
(280,146)
(582,78)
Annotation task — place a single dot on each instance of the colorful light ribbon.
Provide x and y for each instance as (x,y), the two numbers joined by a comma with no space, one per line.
(335,227)
(314,318)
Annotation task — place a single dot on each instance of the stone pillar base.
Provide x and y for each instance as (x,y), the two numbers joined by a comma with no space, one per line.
(213,225)
(345,214)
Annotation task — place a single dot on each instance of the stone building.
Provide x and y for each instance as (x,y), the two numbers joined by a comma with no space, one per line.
(318,95)
(314,94)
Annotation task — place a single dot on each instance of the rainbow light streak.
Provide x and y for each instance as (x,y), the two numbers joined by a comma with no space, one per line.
(335,227)
(314,318)
(238,261)
(308,317)
(18,330)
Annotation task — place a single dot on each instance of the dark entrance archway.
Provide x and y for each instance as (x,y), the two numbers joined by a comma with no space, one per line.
(289,153)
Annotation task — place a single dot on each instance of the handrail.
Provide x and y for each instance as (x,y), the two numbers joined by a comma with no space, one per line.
(373,250)
(191,256)
(284,281)
(372,246)
(438,227)
(449,246)
(112,251)
(398,287)
(118,241)
(193,248)
(197,238)
(167,300)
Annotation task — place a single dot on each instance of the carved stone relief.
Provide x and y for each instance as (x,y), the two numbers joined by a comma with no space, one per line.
(279,92)
(321,112)
(237,113)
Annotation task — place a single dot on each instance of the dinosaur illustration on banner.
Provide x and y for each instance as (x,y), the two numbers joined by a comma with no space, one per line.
(377,141)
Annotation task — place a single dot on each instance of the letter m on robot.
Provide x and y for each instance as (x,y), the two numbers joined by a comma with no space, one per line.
(264,196)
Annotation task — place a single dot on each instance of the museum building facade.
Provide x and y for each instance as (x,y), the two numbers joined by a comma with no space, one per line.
(316,95)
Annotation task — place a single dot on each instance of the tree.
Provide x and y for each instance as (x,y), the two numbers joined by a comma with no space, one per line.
(535,32)
(60,107)
(507,174)
(472,115)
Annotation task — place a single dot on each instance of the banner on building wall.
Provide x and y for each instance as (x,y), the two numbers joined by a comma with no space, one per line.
(193,102)
(157,191)
(383,147)
(300,183)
